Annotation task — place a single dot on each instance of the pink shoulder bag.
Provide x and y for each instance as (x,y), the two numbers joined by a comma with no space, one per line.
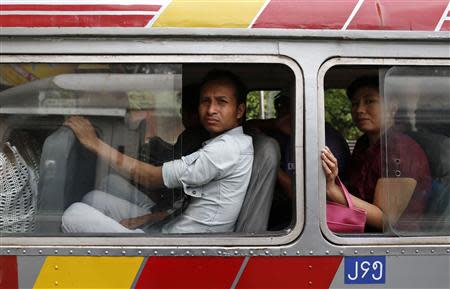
(343,219)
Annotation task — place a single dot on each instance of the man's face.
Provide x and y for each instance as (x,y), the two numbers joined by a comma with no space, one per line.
(218,109)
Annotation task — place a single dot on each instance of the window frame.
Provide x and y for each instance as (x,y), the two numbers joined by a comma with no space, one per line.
(370,239)
(204,240)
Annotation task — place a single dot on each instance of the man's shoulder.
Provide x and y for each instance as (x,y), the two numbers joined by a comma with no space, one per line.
(233,140)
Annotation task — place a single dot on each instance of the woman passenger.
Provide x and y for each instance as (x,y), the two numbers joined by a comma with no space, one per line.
(369,163)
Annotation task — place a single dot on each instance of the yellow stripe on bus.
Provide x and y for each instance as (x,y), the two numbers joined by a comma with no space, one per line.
(88,272)
(209,13)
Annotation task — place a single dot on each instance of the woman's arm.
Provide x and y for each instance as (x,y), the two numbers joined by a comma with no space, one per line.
(140,172)
(334,193)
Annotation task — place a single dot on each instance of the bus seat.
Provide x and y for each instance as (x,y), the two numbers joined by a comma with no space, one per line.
(254,214)
(437,149)
(67,173)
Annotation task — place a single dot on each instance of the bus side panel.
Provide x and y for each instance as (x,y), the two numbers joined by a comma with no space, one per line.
(8,272)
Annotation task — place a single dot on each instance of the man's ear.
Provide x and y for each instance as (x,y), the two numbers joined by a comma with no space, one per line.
(240,110)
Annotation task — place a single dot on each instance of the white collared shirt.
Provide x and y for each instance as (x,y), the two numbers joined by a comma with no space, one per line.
(216,177)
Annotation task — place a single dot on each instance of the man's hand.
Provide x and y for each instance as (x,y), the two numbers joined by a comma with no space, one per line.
(84,131)
(134,223)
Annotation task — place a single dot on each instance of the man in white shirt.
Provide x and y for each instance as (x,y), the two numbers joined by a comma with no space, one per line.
(216,176)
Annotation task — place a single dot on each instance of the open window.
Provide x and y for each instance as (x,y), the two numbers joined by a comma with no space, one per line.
(143,111)
(394,120)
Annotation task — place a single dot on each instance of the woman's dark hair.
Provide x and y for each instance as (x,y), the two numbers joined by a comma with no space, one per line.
(227,76)
(364,81)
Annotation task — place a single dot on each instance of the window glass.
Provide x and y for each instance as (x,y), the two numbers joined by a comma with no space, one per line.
(398,117)
(120,149)
(418,171)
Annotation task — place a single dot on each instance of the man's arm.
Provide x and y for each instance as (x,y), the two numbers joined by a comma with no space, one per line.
(140,172)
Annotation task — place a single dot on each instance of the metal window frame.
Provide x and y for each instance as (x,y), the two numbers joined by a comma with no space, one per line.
(136,244)
(369,240)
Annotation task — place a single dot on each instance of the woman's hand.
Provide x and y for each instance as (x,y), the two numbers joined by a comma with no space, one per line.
(331,170)
(329,165)
(84,131)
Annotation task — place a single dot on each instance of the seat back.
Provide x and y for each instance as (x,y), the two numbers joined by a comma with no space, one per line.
(67,173)
(254,214)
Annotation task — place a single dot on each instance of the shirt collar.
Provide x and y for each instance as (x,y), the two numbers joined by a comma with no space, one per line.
(234,131)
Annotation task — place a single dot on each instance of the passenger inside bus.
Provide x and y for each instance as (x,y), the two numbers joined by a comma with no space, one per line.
(280,128)
(366,171)
(225,161)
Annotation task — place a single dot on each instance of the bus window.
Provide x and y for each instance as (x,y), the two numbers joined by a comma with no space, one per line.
(397,171)
(120,148)
(422,95)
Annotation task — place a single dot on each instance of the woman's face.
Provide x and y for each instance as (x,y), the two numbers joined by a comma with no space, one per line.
(366,110)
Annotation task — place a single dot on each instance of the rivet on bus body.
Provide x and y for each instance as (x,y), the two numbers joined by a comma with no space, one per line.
(172,253)
(106,252)
(355,252)
(284,253)
(139,252)
(341,252)
(251,252)
(56,267)
(371,251)
(89,252)
(327,252)
(24,251)
(298,252)
(311,252)
(448,251)
(309,283)
(236,252)
(417,251)
(219,252)
(56,283)
(155,252)
(40,251)
(403,251)
(387,251)
(187,252)
(8,251)
(71,252)
(203,252)
(56,251)
(310,267)
(267,252)
(124,252)
(432,250)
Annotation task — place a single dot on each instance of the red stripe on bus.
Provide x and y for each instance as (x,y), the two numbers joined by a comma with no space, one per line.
(74,20)
(306,14)
(399,15)
(8,272)
(59,7)
(289,272)
(189,272)
(445,26)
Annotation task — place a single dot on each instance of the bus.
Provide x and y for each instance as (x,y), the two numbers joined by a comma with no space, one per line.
(129,66)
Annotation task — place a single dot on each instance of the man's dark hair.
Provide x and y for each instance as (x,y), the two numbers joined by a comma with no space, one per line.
(364,81)
(189,98)
(227,76)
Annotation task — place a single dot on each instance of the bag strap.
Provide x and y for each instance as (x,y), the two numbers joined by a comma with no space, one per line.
(347,196)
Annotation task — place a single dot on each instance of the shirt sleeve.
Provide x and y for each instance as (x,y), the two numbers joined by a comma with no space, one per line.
(213,161)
